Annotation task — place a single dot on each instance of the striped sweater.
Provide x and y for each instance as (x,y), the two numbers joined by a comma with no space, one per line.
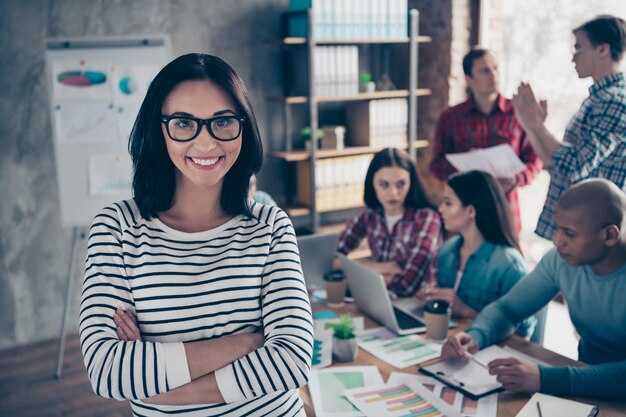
(240,277)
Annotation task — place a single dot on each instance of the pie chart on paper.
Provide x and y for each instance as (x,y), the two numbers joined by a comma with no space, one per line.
(77,78)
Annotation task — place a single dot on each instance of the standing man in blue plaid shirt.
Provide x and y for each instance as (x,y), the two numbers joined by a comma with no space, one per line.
(594,144)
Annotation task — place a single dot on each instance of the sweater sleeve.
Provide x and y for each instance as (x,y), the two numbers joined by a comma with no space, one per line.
(283,363)
(117,369)
(497,321)
(605,380)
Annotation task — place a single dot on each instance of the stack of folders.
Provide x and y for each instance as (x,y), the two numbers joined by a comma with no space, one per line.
(378,123)
(336,70)
(555,406)
(351,19)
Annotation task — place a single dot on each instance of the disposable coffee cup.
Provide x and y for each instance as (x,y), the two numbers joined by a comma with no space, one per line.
(335,288)
(437,318)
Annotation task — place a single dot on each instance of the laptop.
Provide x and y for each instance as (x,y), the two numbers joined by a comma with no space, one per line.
(371,296)
(317,253)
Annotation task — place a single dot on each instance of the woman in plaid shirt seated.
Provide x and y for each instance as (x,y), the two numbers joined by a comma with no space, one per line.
(402,228)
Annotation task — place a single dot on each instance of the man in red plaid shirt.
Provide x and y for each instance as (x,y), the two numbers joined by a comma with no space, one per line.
(486,119)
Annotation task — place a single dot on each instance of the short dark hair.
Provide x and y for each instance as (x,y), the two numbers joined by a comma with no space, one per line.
(475,53)
(606,29)
(493,216)
(154,178)
(393,157)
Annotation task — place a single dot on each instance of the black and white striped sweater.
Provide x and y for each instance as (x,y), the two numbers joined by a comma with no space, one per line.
(240,277)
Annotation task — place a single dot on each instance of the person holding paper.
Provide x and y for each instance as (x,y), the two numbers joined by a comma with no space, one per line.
(402,229)
(588,266)
(482,261)
(486,119)
(193,300)
(594,144)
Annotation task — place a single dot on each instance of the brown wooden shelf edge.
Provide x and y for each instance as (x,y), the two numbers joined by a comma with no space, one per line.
(303,41)
(302,155)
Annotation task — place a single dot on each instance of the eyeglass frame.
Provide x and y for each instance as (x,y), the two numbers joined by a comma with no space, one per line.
(202,122)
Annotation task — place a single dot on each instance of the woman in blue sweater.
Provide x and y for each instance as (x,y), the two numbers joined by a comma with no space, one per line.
(482,261)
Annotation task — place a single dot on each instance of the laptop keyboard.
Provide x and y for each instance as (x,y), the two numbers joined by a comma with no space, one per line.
(405,321)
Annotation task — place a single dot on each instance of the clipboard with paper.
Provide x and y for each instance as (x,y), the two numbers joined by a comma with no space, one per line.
(468,376)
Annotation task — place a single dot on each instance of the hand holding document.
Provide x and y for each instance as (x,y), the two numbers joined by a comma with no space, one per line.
(500,161)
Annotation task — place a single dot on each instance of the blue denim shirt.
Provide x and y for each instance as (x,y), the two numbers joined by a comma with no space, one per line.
(489,273)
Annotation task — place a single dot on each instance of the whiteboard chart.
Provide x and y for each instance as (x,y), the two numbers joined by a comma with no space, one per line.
(96,87)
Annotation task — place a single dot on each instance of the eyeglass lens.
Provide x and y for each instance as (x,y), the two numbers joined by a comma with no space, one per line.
(224,128)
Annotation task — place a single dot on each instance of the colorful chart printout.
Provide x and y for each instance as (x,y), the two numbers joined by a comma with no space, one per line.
(484,407)
(327,387)
(405,398)
(398,351)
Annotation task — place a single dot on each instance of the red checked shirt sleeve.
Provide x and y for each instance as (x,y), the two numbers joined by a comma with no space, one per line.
(528,157)
(421,240)
(443,144)
(355,231)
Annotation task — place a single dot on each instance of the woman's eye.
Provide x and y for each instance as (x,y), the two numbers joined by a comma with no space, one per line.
(184,123)
(222,123)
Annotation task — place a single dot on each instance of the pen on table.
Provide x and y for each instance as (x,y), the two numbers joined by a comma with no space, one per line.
(539,409)
(473,359)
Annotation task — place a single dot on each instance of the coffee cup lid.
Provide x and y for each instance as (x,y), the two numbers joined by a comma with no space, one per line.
(336,275)
(437,307)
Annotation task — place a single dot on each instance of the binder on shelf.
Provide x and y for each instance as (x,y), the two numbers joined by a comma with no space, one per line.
(378,123)
(339,182)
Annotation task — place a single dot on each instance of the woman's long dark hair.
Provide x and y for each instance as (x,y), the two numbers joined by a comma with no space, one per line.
(493,216)
(393,157)
(154,179)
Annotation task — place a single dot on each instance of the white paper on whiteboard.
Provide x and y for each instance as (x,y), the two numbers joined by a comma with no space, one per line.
(86,122)
(500,161)
(110,175)
(126,116)
(82,79)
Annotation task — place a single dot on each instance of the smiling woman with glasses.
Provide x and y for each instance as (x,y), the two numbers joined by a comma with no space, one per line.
(193,300)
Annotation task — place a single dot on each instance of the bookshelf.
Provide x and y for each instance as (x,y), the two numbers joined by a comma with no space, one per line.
(327,180)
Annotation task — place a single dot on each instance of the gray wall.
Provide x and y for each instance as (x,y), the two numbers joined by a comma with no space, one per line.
(34,246)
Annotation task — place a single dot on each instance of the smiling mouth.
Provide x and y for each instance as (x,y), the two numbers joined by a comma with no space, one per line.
(205,162)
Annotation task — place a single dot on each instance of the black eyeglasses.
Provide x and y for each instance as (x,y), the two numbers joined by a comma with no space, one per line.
(184,129)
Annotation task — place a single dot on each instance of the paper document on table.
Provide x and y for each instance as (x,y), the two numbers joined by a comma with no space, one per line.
(500,161)
(555,406)
(327,386)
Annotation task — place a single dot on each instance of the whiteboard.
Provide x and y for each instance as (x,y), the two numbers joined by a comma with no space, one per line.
(96,86)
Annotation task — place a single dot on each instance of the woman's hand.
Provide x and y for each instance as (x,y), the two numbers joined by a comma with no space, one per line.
(127,327)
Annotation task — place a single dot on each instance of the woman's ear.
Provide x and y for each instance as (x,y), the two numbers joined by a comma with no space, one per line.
(611,235)
(471,210)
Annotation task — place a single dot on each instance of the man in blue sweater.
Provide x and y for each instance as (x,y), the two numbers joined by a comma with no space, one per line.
(588,266)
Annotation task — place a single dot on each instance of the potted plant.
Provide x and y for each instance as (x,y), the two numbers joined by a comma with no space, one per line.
(344,340)
(305,136)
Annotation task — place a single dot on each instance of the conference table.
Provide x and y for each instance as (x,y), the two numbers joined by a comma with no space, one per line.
(509,403)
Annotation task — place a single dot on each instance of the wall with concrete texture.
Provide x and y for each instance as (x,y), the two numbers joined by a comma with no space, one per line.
(34,246)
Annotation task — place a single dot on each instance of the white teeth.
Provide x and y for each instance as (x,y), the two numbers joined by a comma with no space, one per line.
(205,162)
